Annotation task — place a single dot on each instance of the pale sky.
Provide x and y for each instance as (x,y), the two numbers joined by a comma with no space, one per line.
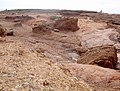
(109,6)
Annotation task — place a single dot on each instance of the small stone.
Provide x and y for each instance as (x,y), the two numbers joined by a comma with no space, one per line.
(11,33)
(45,83)
(56,30)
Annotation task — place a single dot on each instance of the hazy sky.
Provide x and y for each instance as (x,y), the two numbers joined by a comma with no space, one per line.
(110,6)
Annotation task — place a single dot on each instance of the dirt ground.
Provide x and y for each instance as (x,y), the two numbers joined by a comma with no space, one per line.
(57,45)
(29,61)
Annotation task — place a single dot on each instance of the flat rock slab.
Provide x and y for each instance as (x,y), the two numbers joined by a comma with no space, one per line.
(98,38)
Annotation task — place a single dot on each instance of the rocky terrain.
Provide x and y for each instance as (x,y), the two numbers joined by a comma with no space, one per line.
(53,50)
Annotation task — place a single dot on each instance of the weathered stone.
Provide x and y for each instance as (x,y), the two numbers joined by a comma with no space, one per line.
(67,24)
(44,29)
(56,30)
(98,38)
(105,56)
(10,33)
(2,31)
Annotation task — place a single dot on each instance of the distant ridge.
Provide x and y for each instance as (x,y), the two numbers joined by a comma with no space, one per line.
(45,11)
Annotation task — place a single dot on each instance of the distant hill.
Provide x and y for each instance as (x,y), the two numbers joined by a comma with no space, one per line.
(46,11)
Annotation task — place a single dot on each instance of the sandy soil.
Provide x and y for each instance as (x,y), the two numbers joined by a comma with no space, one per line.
(29,61)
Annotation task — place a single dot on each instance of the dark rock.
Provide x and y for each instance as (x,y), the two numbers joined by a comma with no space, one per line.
(2,31)
(41,29)
(10,33)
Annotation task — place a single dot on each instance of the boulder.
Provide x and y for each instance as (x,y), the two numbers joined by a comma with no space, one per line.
(105,56)
(43,28)
(67,24)
(10,33)
(2,31)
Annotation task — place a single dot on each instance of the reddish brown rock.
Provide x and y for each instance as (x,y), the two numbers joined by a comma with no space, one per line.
(105,56)
(2,31)
(41,29)
(67,24)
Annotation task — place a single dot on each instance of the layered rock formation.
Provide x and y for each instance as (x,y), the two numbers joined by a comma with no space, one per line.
(105,56)
(98,37)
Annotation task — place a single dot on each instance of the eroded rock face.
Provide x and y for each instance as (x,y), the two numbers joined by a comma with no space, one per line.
(67,24)
(105,56)
(41,29)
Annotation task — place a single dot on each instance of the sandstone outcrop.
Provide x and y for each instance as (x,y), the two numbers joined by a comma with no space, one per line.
(41,29)
(66,24)
(105,56)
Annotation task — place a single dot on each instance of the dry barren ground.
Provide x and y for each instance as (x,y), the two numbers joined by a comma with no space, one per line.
(32,62)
